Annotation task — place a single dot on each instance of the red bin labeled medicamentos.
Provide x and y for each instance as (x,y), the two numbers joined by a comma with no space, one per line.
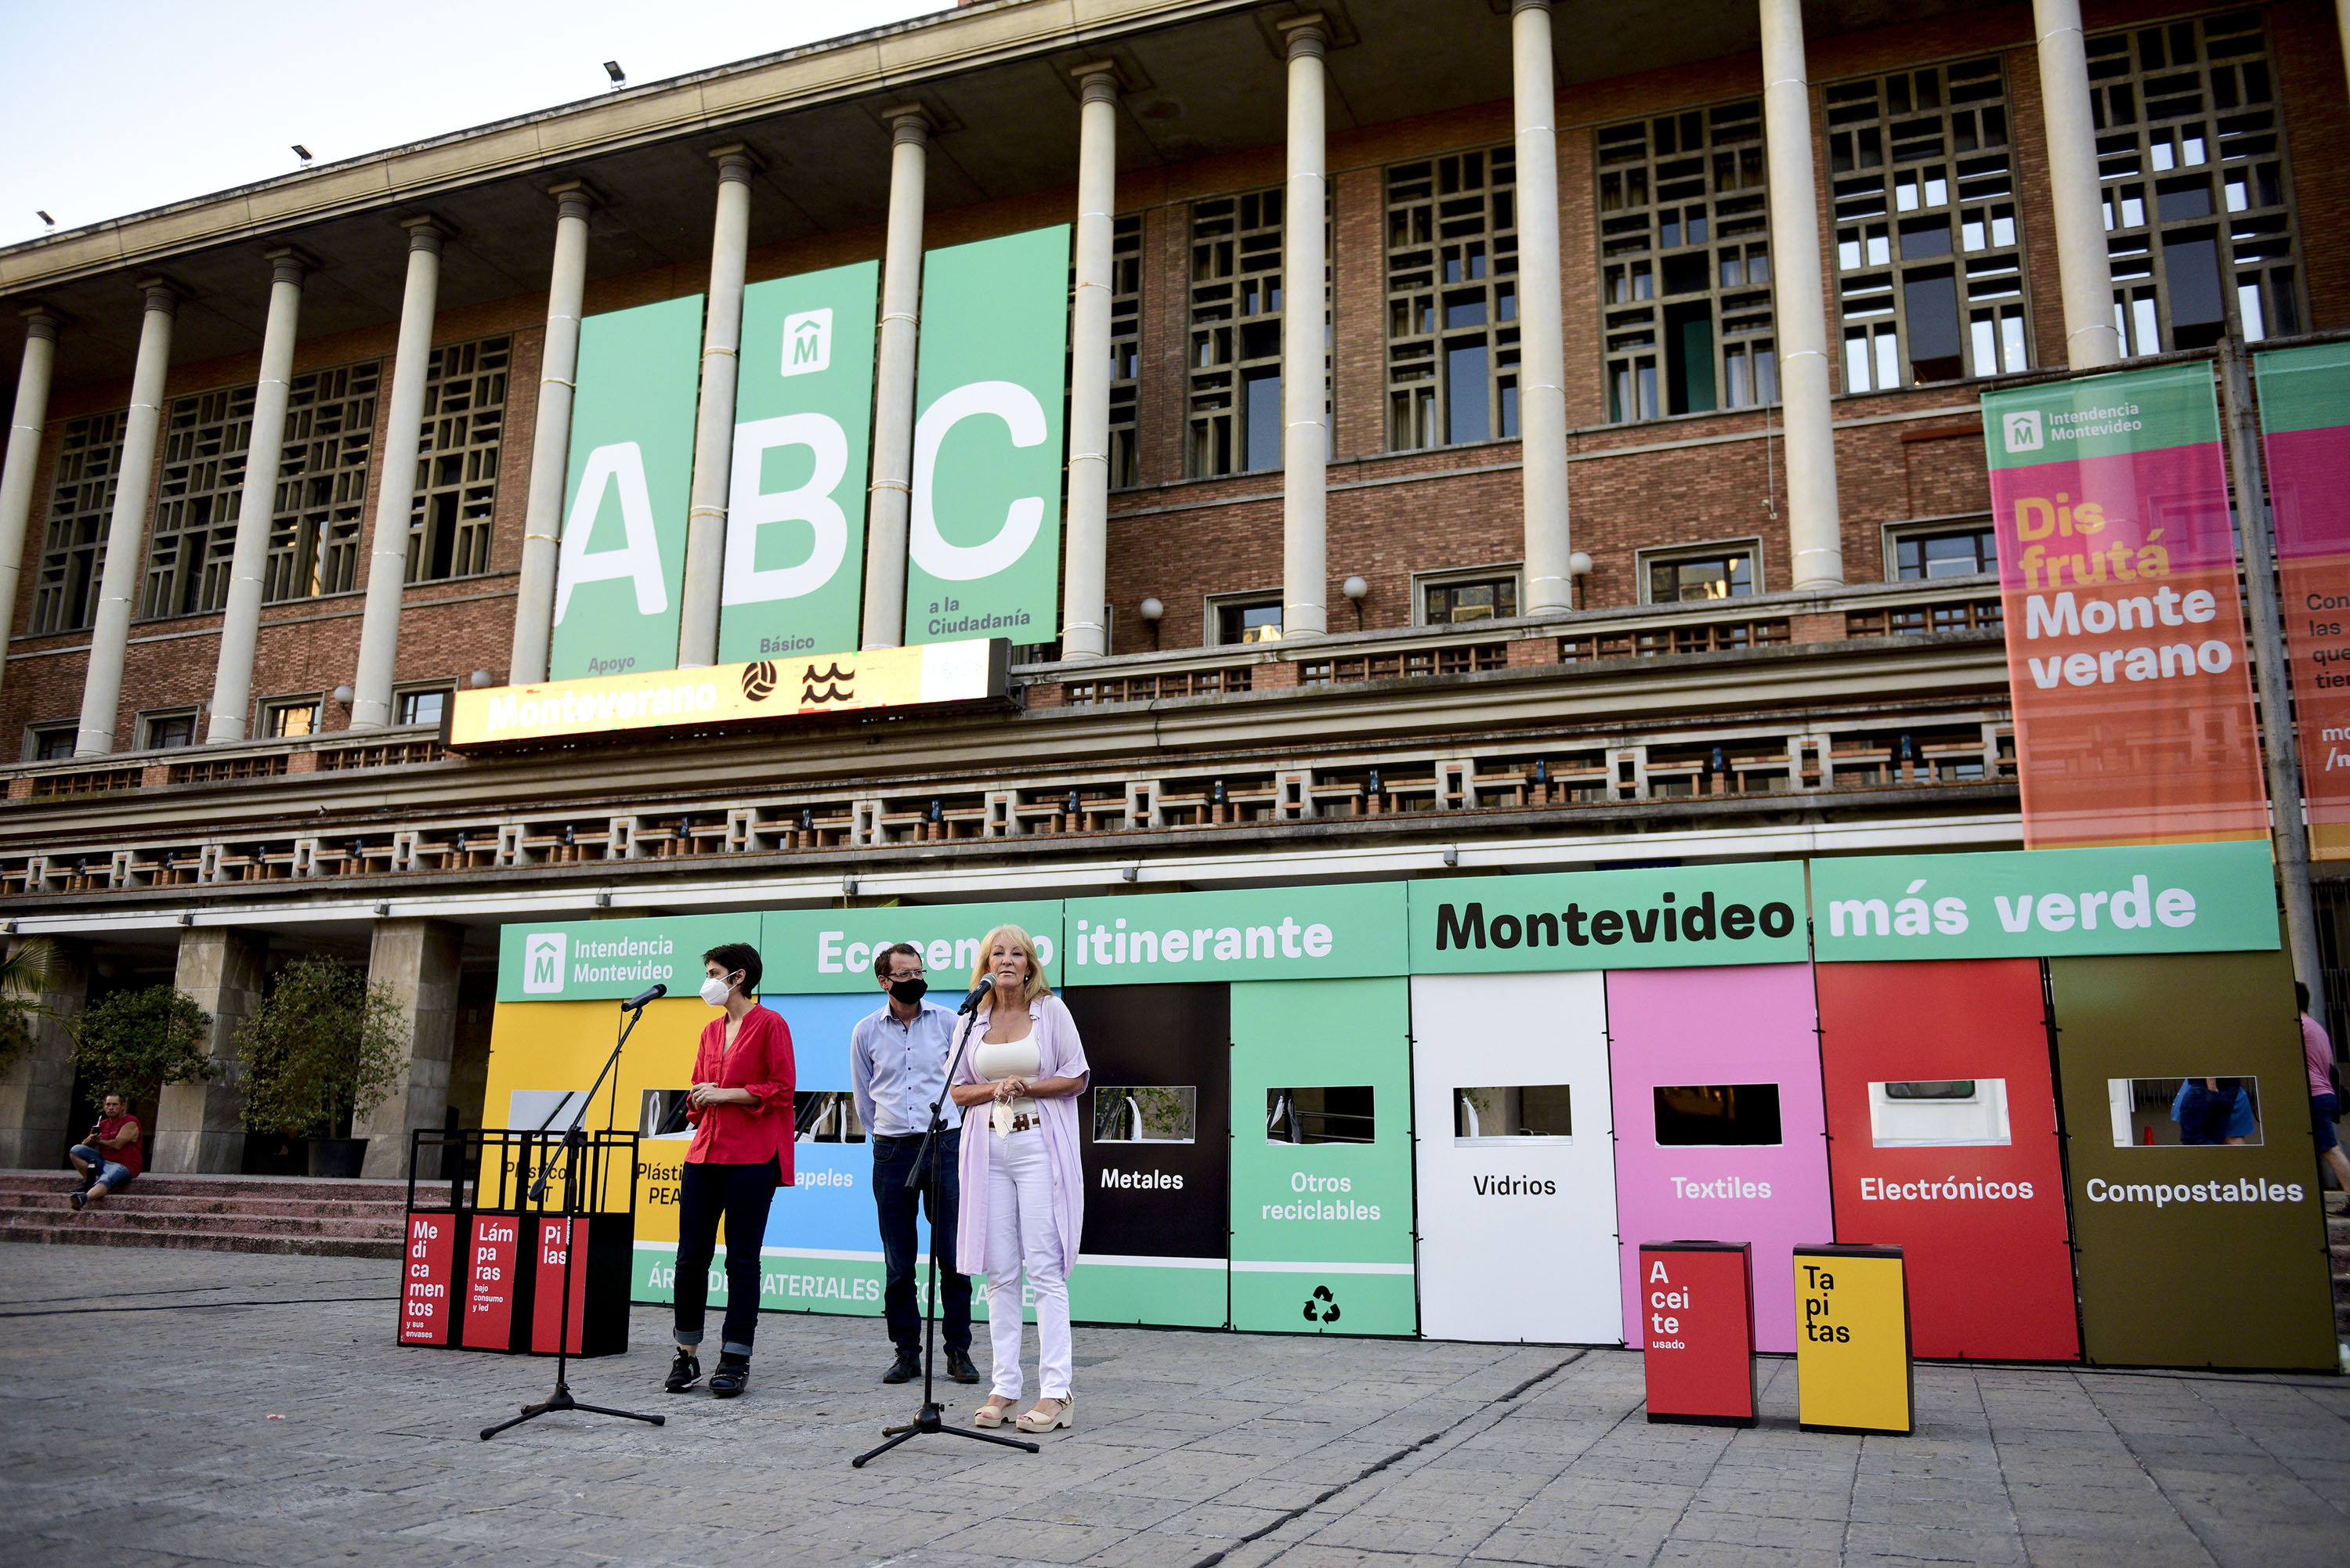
(1697,1328)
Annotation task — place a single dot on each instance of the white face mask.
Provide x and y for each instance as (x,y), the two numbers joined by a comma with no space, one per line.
(714,991)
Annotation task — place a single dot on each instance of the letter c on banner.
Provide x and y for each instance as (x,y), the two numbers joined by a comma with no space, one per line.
(1017,407)
(749,508)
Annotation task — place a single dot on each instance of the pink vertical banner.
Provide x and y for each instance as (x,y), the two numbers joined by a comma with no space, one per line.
(1727,1054)
(2305,434)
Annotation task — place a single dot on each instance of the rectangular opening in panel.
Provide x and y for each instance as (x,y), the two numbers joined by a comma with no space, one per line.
(1155,1113)
(1512,1114)
(2151,1113)
(1922,1113)
(1330,1114)
(825,1115)
(663,1108)
(1697,1114)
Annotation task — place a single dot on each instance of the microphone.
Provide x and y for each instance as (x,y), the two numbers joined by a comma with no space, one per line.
(979,993)
(642,996)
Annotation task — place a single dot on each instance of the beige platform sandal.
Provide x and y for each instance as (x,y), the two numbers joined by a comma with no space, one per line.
(992,1414)
(1064,1417)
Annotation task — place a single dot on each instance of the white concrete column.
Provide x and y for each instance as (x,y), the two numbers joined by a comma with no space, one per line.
(396,493)
(2083,266)
(200,1125)
(32,411)
(241,616)
(1814,532)
(1084,634)
(126,529)
(890,497)
(419,960)
(1304,416)
(714,424)
(550,445)
(1541,348)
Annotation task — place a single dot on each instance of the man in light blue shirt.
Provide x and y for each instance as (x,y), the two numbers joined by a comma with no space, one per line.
(897,1065)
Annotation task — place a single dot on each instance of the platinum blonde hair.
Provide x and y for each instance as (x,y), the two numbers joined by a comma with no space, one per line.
(1037,985)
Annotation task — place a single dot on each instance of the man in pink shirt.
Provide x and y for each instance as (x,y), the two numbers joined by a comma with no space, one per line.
(2325,1104)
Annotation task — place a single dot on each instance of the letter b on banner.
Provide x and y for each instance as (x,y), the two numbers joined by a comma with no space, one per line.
(983,546)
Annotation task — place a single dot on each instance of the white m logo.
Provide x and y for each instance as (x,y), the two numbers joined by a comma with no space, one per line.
(542,954)
(2024,431)
(807,342)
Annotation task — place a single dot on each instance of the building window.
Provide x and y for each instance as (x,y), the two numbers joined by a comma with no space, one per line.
(73,545)
(423,706)
(322,476)
(1453,300)
(1711,572)
(457,461)
(290,716)
(1456,598)
(2196,193)
(1929,273)
(1245,618)
(164,730)
(1941,550)
(1235,351)
(205,440)
(1685,264)
(1125,352)
(51,742)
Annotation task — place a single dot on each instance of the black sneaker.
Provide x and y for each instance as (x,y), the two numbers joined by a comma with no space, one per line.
(683,1373)
(733,1374)
(905,1369)
(959,1368)
(77,1197)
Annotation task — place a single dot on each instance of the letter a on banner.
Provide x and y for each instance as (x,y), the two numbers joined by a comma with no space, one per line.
(984,540)
(796,503)
(2305,431)
(2126,654)
(632,469)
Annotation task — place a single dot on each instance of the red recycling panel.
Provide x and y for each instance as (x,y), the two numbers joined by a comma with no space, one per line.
(1954,1159)
(426,1278)
(490,1280)
(1697,1322)
(546,1307)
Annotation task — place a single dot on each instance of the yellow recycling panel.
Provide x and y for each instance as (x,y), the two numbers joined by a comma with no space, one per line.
(1852,1357)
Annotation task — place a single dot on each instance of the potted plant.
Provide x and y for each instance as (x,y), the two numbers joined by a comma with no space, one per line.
(323,1050)
(134,1042)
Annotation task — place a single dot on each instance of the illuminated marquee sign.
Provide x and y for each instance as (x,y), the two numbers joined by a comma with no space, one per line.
(719,695)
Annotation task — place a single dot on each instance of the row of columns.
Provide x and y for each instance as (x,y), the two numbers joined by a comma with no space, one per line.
(1806,377)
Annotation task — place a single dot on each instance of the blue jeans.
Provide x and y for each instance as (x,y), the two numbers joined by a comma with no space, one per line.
(111,1173)
(893,1160)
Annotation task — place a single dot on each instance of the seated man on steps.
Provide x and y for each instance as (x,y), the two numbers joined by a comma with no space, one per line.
(110,1157)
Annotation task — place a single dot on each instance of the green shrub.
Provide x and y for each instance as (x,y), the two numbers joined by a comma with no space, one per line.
(324,1049)
(135,1041)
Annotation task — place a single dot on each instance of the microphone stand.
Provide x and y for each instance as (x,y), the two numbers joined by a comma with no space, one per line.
(574,1140)
(925,1175)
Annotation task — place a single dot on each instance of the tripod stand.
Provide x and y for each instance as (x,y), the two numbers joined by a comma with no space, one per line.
(574,1141)
(925,1172)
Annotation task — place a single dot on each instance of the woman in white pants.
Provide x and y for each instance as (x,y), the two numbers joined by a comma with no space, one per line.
(1024,1193)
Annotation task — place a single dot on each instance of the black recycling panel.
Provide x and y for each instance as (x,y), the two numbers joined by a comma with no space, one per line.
(1156,1037)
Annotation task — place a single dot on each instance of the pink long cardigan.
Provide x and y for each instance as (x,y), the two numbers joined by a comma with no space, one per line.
(1060,1054)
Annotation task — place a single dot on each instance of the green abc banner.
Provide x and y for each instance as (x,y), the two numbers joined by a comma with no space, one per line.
(809,951)
(593,960)
(983,543)
(2045,903)
(795,501)
(1646,918)
(1275,933)
(626,493)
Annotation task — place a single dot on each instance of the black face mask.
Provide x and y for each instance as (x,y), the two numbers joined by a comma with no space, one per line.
(909,991)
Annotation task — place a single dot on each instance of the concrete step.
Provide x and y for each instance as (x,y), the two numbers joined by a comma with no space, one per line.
(107,1216)
(135,1201)
(158,1184)
(200,1240)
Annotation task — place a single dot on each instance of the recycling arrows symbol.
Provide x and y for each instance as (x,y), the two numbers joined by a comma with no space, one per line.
(1321,1306)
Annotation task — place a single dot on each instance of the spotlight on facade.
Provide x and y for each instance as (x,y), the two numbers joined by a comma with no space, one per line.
(479,678)
(1152,610)
(343,696)
(1356,590)
(44,217)
(619,78)
(302,153)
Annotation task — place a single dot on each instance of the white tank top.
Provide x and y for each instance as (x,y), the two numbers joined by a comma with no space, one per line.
(995,1061)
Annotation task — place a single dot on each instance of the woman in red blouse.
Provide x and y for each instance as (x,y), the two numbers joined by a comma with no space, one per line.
(741,1109)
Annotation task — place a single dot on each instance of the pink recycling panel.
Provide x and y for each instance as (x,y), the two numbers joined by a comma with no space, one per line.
(1753,1024)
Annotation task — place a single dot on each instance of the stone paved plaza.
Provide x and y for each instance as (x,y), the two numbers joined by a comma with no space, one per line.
(138,1392)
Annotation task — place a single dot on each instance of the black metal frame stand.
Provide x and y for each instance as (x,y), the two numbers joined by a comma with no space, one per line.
(925,1175)
(574,1140)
